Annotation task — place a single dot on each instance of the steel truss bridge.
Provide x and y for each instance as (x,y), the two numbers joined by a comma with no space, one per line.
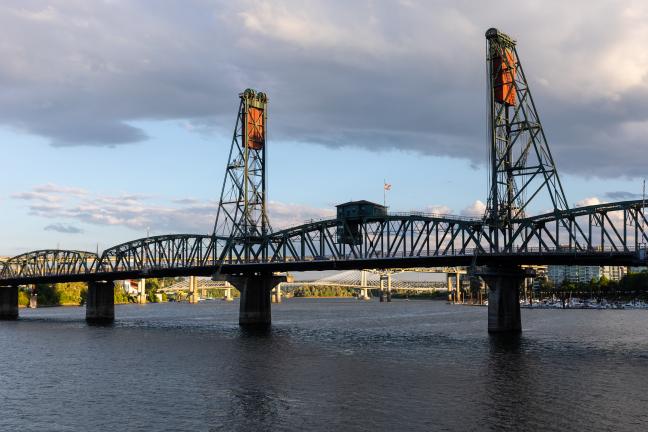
(605,234)
(243,242)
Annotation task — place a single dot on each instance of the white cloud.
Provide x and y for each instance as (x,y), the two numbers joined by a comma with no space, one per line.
(62,228)
(476,209)
(589,201)
(51,188)
(49,193)
(283,215)
(438,209)
(36,196)
(137,212)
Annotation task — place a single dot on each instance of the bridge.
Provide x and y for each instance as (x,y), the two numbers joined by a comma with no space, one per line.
(244,250)
(385,281)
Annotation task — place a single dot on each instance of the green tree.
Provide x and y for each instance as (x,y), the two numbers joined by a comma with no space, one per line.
(121,297)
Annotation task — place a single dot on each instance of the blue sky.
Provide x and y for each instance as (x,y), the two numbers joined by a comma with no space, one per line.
(107,135)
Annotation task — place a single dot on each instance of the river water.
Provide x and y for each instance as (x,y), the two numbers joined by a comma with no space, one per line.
(326,365)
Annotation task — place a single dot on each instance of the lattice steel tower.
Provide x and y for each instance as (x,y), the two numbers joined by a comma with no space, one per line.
(521,165)
(241,212)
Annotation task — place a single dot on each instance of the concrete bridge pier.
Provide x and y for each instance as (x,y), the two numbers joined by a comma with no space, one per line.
(385,288)
(503,297)
(454,287)
(449,285)
(276,294)
(9,303)
(255,289)
(228,294)
(193,290)
(364,294)
(33,297)
(141,291)
(100,302)
(389,287)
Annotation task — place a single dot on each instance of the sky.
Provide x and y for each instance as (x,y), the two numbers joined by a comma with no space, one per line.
(116,117)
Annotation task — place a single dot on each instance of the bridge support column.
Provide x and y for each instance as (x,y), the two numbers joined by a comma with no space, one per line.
(100,303)
(276,294)
(193,290)
(255,291)
(228,293)
(454,287)
(503,298)
(8,303)
(449,285)
(385,288)
(364,294)
(33,298)
(141,291)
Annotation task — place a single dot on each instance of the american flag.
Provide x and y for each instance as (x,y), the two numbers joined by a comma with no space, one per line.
(387,186)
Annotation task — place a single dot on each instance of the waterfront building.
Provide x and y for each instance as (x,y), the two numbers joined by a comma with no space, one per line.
(614,273)
(583,274)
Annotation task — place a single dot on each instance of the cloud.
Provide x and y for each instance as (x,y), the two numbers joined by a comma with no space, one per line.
(438,209)
(51,188)
(476,209)
(49,193)
(283,215)
(36,196)
(186,201)
(139,213)
(377,82)
(66,229)
(588,202)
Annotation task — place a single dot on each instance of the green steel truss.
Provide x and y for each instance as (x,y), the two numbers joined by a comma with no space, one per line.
(242,213)
(521,165)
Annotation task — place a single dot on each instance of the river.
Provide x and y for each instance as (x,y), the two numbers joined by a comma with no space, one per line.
(326,365)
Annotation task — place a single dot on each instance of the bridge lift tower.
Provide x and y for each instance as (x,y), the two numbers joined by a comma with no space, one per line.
(521,164)
(242,213)
(521,169)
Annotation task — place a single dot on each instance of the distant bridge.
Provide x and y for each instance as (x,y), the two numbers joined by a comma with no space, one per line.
(363,280)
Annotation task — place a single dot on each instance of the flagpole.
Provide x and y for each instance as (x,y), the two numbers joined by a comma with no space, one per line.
(384,193)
